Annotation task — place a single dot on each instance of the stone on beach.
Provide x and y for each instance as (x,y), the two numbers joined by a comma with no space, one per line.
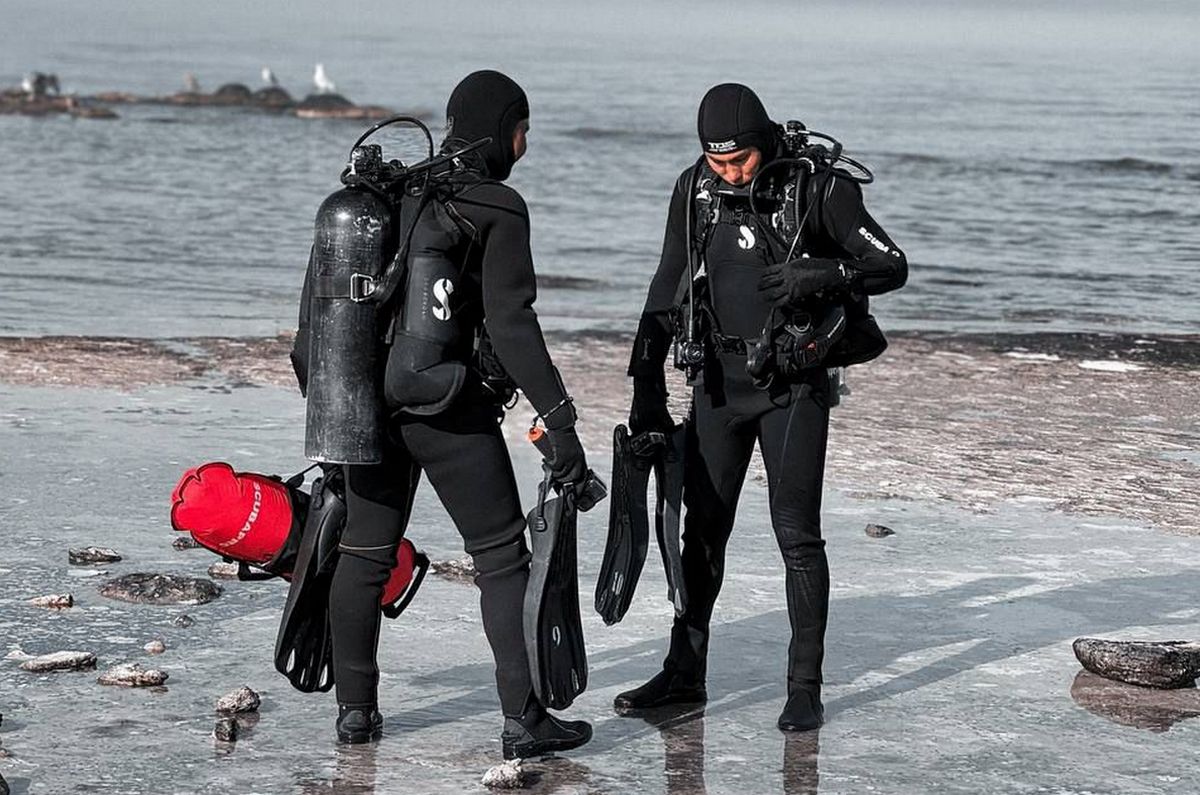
(132,675)
(239,701)
(1163,664)
(160,589)
(58,601)
(60,661)
(506,775)
(460,570)
(879,531)
(90,555)
(223,570)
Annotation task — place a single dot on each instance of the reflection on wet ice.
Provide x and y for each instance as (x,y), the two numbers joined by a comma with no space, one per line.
(353,773)
(682,730)
(1130,705)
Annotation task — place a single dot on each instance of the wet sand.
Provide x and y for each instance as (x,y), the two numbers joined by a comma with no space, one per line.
(949,666)
(1087,424)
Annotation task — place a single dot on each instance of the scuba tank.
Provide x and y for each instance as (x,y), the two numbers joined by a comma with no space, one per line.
(344,423)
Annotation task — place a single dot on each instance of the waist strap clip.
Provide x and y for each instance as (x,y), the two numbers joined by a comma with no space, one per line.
(362,287)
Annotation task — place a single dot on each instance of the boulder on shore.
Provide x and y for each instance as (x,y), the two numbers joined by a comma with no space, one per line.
(1165,664)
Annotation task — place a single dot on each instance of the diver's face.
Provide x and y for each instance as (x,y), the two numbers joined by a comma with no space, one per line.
(737,167)
(519,142)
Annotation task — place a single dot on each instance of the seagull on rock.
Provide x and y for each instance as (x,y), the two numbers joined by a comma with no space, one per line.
(322,82)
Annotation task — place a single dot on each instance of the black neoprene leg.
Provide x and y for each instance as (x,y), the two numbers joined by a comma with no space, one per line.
(465,458)
(378,502)
(793,443)
(718,452)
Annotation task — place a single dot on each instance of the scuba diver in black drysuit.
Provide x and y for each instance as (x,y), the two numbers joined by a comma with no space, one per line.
(455,438)
(751,273)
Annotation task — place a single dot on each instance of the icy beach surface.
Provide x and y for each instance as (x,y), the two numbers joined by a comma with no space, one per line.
(949,665)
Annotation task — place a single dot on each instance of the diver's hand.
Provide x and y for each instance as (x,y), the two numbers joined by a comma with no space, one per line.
(790,283)
(648,412)
(567,461)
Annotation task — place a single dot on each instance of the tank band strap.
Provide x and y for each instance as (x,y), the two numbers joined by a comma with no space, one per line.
(359,287)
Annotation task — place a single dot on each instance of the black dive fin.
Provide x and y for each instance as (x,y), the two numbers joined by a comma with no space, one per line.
(628,529)
(304,645)
(668,476)
(553,628)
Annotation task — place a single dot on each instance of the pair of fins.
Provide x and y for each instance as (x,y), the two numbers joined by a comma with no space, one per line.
(552,624)
(304,644)
(634,458)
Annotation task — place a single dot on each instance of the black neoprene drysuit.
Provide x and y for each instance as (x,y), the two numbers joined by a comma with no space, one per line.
(790,421)
(460,450)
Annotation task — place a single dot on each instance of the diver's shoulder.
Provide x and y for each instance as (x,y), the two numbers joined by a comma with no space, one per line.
(492,192)
(687,175)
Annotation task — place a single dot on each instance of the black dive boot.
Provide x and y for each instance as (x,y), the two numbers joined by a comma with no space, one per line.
(537,733)
(358,723)
(803,711)
(669,686)
(681,681)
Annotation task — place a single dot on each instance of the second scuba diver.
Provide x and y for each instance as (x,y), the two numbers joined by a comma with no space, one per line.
(766,282)
(444,415)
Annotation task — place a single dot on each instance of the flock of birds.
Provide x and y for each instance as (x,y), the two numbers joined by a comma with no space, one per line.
(321,80)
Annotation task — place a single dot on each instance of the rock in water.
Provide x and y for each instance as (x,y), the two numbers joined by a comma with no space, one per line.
(90,555)
(226,730)
(1164,664)
(160,589)
(58,601)
(241,700)
(185,542)
(3,786)
(1130,705)
(879,531)
(183,620)
(60,661)
(132,675)
(507,775)
(155,647)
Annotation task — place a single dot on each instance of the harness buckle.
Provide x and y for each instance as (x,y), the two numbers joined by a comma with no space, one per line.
(362,287)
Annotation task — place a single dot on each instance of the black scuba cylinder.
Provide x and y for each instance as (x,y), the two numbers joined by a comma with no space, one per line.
(353,238)
(426,365)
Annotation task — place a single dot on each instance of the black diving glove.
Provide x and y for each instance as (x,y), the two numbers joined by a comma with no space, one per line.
(648,412)
(566,459)
(789,283)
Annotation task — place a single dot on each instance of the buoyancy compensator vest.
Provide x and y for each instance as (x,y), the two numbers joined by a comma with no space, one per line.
(787,195)
(430,344)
